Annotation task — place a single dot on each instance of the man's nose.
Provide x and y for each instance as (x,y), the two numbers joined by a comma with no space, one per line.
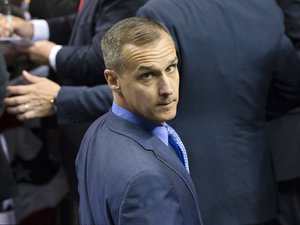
(165,85)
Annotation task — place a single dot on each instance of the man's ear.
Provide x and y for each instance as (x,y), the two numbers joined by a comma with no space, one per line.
(112,79)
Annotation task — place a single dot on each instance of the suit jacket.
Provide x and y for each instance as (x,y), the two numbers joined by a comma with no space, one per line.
(80,62)
(235,62)
(128,176)
(75,103)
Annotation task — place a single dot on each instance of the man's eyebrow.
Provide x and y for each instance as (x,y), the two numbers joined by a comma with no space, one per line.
(175,60)
(147,67)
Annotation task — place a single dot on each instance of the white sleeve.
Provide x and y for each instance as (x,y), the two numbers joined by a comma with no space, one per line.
(40,30)
(52,56)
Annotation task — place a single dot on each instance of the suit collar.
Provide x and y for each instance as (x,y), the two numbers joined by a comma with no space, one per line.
(158,130)
(151,143)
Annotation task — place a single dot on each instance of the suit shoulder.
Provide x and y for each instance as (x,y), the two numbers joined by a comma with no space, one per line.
(97,125)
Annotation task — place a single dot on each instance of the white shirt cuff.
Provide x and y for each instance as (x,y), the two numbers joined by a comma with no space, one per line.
(40,30)
(52,56)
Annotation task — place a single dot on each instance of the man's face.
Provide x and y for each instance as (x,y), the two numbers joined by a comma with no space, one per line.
(150,81)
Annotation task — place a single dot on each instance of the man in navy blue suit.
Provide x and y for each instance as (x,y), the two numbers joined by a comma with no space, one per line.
(128,170)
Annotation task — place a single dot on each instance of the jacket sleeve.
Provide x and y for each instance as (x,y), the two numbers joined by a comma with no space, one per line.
(150,199)
(82,104)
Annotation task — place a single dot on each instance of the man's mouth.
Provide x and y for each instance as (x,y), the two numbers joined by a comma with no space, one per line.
(166,103)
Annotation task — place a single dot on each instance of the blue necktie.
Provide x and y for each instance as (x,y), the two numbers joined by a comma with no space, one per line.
(178,146)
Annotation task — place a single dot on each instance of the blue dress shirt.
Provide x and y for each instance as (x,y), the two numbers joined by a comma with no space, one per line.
(159,131)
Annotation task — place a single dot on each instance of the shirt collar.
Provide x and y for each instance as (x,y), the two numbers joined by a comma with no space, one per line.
(159,131)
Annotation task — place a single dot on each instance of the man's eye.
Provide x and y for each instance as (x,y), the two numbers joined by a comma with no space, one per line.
(147,76)
(170,69)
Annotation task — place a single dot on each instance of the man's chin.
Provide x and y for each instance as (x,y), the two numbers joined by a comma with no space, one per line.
(169,116)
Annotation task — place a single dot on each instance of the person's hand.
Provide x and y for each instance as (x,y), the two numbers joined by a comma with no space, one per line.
(17,27)
(39,52)
(33,100)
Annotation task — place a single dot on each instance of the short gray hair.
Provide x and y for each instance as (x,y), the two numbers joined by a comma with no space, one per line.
(138,31)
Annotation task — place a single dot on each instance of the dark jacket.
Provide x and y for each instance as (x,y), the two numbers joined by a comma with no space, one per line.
(129,176)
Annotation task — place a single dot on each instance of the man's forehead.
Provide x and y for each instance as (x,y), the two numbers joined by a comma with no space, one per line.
(151,65)
(161,48)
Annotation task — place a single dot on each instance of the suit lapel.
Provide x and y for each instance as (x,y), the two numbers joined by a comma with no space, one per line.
(152,143)
(169,157)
